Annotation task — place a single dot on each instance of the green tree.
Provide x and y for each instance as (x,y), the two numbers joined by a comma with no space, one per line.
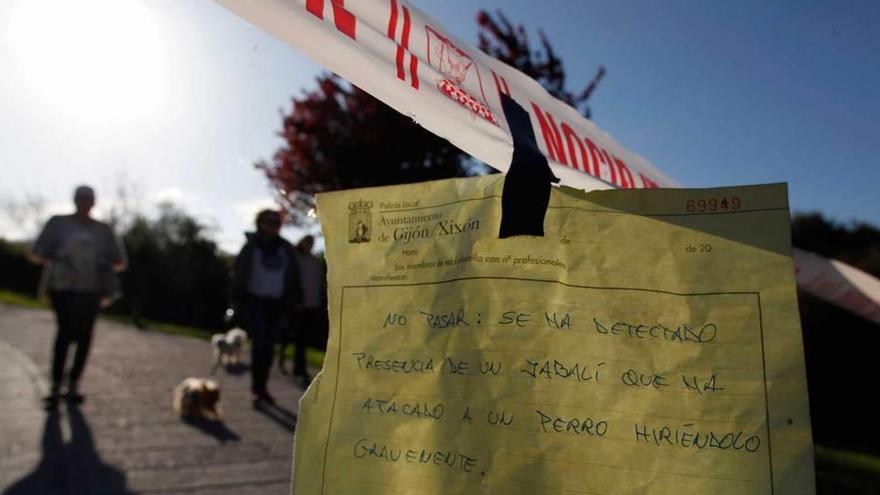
(16,272)
(176,272)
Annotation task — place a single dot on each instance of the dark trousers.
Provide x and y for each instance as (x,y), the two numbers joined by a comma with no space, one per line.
(75,314)
(285,338)
(264,324)
(305,325)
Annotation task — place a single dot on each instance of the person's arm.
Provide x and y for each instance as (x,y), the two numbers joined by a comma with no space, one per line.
(116,252)
(35,258)
(238,283)
(44,247)
(121,261)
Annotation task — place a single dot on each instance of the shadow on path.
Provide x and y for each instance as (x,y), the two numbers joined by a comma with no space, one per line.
(236,369)
(233,369)
(216,429)
(70,468)
(284,418)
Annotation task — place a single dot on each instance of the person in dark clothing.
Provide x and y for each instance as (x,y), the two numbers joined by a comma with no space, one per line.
(81,256)
(265,287)
(307,315)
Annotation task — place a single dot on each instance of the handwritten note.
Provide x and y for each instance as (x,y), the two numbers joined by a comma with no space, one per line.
(648,343)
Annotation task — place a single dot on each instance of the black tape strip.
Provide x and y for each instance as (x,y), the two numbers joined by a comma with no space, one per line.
(526,192)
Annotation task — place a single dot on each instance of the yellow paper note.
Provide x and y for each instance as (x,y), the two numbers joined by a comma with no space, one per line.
(648,343)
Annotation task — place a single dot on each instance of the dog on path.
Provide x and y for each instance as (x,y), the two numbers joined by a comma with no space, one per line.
(198,398)
(228,347)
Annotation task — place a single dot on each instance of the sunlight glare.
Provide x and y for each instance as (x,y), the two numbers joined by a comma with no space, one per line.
(97,58)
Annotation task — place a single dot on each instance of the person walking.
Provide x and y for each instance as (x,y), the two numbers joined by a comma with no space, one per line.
(307,315)
(265,287)
(82,256)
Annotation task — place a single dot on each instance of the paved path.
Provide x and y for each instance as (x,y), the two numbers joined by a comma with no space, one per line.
(126,438)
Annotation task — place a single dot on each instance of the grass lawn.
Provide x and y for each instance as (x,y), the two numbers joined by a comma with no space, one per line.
(16,299)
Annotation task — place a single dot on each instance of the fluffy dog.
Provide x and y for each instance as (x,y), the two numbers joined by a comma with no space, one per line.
(198,398)
(228,347)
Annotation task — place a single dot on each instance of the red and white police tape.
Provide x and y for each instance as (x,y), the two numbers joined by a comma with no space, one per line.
(838,283)
(401,56)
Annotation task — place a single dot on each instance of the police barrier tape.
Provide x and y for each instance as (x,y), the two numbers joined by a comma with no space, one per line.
(404,58)
(838,283)
(401,56)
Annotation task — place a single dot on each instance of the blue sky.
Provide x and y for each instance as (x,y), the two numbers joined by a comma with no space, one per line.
(182,97)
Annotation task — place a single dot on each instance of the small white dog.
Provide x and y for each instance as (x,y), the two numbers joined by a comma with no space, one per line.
(228,347)
(198,398)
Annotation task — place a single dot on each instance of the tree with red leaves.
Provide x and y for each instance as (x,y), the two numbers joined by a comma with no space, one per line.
(335,136)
